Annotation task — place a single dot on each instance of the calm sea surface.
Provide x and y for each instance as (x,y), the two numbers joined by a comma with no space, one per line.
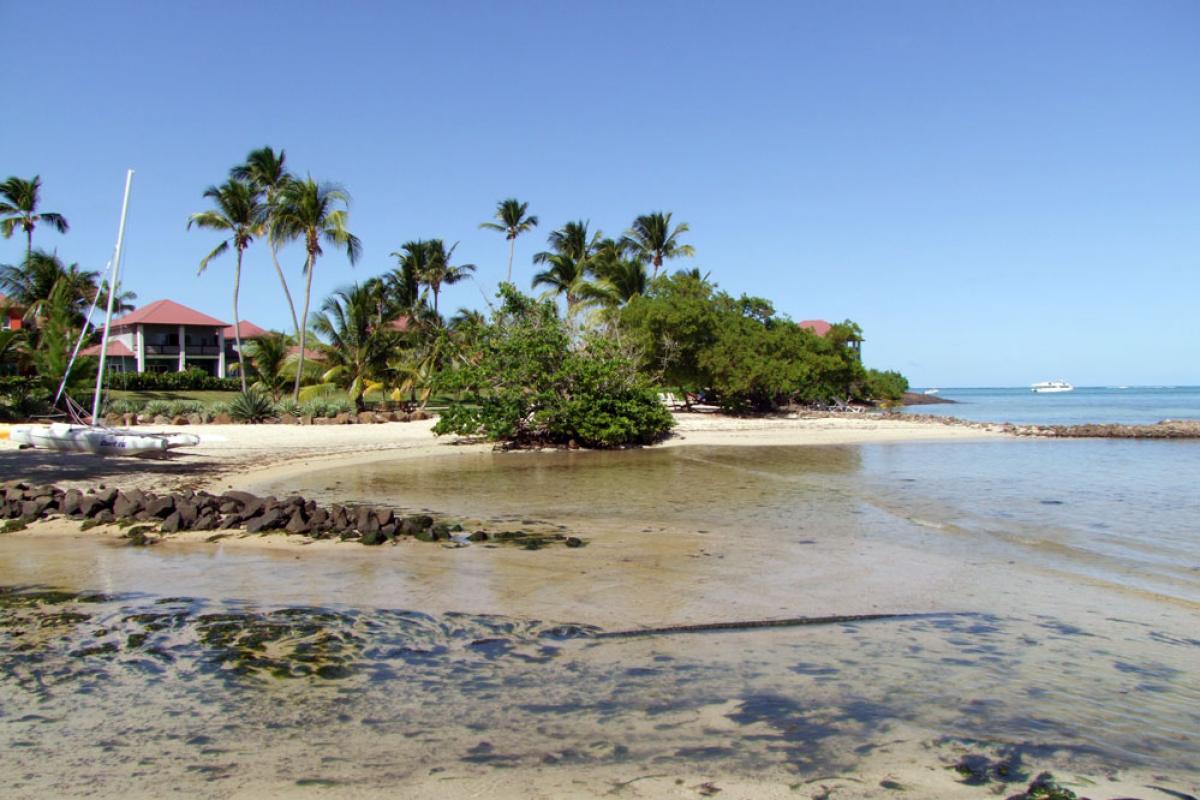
(1070,640)
(1100,404)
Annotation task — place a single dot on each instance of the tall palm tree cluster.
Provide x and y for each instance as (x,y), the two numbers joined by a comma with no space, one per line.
(588,269)
(388,332)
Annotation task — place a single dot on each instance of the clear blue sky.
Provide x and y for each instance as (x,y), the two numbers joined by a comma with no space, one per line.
(998,192)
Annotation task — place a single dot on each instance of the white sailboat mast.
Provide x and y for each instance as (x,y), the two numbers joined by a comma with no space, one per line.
(113,283)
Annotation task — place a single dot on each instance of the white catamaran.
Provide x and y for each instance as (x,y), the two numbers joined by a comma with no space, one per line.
(84,436)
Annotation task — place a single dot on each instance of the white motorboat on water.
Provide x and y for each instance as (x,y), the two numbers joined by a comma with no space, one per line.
(931,391)
(1050,387)
(79,436)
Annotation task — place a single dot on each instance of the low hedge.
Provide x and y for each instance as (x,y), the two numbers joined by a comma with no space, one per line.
(193,379)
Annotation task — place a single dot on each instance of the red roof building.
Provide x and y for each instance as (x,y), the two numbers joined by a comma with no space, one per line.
(248,330)
(12,316)
(165,336)
(116,349)
(818,326)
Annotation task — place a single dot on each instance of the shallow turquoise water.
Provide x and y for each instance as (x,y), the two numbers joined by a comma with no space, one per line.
(1134,405)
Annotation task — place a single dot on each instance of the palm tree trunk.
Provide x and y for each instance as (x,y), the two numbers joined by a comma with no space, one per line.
(28,243)
(237,325)
(512,248)
(286,292)
(303,327)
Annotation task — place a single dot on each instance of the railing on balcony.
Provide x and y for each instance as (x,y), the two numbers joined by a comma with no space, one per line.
(191,350)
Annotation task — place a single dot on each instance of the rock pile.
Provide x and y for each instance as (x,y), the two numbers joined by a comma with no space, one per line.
(1166,429)
(233,510)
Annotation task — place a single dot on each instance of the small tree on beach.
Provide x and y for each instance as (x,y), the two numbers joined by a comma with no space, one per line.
(653,240)
(240,212)
(512,222)
(308,211)
(19,207)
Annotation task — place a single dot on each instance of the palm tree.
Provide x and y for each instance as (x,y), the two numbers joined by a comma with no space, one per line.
(31,285)
(269,356)
(241,213)
(19,207)
(512,223)
(652,240)
(619,280)
(433,269)
(356,346)
(266,170)
(572,239)
(307,210)
(566,276)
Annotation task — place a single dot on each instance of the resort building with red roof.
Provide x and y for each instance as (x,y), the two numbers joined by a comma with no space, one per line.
(165,336)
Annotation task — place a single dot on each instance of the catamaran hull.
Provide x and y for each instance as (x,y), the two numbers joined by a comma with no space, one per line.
(101,441)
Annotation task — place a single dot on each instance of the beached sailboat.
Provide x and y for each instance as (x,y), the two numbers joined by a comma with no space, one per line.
(86,436)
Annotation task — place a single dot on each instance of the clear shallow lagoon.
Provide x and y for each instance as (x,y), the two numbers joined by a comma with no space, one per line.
(1132,405)
(1068,573)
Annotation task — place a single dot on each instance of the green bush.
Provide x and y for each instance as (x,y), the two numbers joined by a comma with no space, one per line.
(22,397)
(528,385)
(158,408)
(326,407)
(191,380)
(251,406)
(126,405)
(884,387)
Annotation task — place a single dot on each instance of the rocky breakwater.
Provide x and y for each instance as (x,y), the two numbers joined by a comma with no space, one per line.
(21,504)
(1166,429)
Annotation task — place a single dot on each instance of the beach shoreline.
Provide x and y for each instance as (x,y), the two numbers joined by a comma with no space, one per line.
(230,456)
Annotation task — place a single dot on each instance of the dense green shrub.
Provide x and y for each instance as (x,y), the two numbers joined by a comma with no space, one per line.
(23,396)
(191,380)
(884,387)
(251,406)
(326,407)
(527,384)
(738,351)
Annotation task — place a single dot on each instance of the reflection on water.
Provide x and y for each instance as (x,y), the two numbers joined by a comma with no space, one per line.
(686,485)
(230,691)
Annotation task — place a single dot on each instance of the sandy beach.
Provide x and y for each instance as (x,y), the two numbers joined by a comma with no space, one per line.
(229,455)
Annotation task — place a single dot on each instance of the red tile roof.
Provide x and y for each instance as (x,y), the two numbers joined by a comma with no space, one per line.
(402,324)
(248,329)
(115,348)
(818,326)
(167,312)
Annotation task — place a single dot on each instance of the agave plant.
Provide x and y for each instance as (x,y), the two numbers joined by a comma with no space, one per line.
(251,406)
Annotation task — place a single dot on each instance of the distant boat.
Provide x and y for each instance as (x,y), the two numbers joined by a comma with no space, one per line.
(932,391)
(1047,387)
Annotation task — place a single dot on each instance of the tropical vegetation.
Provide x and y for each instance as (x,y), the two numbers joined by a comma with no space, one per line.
(585,362)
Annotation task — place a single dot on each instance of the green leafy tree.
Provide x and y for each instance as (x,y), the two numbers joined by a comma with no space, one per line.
(57,333)
(671,327)
(653,241)
(267,170)
(19,207)
(309,212)
(526,384)
(512,221)
(239,212)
